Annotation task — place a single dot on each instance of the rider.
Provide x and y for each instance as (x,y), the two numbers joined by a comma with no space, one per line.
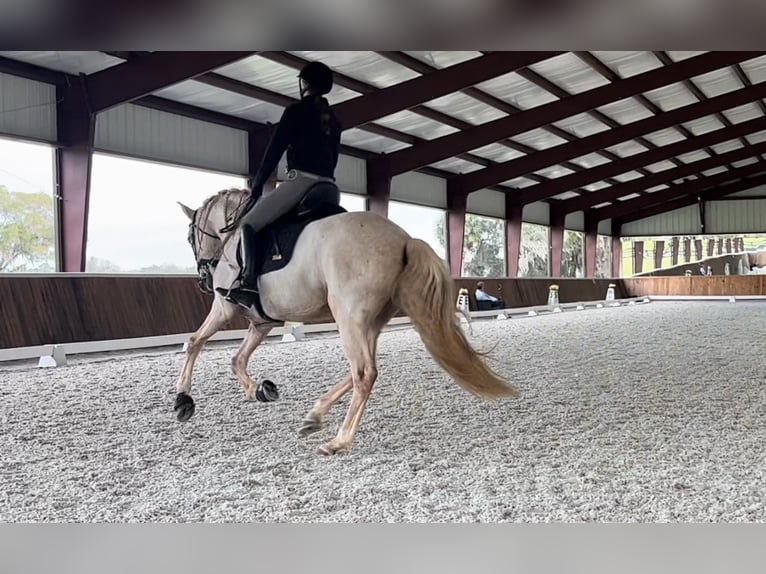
(310,133)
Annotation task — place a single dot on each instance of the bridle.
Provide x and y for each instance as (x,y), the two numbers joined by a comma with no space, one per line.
(206,267)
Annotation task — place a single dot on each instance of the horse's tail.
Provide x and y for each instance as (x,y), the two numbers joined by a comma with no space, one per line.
(425,291)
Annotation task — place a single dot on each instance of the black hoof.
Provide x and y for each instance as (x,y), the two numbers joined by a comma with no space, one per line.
(310,426)
(184,407)
(267,392)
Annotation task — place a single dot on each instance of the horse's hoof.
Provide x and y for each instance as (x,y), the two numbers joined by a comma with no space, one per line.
(267,392)
(329,449)
(310,426)
(184,407)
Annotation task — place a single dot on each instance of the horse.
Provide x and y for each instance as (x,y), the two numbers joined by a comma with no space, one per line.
(356,269)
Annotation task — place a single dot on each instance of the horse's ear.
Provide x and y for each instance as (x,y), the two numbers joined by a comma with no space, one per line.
(187,210)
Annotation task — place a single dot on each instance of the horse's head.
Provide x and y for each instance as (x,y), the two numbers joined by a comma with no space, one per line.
(209,229)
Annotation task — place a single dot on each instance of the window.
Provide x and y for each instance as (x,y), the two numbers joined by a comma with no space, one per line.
(534,254)
(134,222)
(572,258)
(27,214)
(426,223)
(483,247)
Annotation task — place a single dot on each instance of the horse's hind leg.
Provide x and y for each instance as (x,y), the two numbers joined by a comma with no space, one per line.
(360,345)
(214,321)
(255,336)
(313,421)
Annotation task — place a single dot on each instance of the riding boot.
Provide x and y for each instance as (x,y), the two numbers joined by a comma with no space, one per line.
(247,292)
(249,261)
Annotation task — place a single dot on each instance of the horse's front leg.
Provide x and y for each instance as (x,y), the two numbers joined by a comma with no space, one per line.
(255,336)
(215,320)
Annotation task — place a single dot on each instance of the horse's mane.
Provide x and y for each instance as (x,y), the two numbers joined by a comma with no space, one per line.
(224,193)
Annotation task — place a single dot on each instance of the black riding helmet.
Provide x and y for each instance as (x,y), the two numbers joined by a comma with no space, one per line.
(318,76)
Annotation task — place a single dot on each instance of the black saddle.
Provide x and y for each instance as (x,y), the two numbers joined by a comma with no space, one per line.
(274,244)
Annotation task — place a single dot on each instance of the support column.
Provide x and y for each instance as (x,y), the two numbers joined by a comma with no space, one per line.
(378,190)
(638,257)
(591,244)
(674,251)
(710,247)
(698,248)
(74,155)
(687,249)
(513,213)
(720,246)
(457,201)
(659,252)
(728,245)
(616,256)
(557,218)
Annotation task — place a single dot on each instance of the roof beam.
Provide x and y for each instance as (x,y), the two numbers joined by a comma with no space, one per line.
(489,132)
(613,193)
(141,76)
(410,93)
(598,66)
(624,209)
(555,155)
(600,172)
(421,67)
(693,198)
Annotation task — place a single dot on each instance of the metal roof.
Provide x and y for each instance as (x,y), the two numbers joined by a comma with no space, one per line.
(685,116)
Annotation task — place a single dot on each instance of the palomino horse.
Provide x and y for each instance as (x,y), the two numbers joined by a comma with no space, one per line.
(355,269)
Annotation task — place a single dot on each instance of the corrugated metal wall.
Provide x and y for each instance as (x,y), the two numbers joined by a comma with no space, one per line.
(756,191)
(605,227)
(152,134)
(537,212)
(487,202)
(684,221)
(738,216)
(27,108)
(419,188)
(351,174)
(575,221)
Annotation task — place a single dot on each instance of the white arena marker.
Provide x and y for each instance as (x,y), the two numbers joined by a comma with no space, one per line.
(532,314)
(599,306)
(56,359)
(557,309)
(296,333)
(501,317)
(732,299)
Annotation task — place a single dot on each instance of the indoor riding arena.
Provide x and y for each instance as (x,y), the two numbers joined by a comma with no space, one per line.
(598,220)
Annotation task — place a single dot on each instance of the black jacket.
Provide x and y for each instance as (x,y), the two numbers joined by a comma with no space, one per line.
(310,133)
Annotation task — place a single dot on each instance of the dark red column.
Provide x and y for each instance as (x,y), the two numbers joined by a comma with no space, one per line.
(378,191)
(591,244)
(687,249)
(638,257)
(557,218)
(513,213)
(616,257)
(710,247)
(659,251)
(674,251)
(457,201)
(74,154)
(698,248)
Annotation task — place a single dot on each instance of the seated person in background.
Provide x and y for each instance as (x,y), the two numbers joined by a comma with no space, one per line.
(486,301)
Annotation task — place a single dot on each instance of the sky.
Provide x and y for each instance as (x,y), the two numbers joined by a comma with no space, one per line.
(134,220)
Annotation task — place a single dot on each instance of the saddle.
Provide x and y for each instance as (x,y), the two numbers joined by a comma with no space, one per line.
(272,248)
